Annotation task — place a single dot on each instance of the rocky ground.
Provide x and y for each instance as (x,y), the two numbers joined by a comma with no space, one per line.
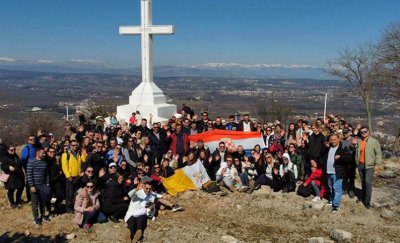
(263,216)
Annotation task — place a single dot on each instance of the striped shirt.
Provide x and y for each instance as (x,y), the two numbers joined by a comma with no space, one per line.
(37,173)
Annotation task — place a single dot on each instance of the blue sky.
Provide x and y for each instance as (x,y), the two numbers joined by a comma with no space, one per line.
(242,31)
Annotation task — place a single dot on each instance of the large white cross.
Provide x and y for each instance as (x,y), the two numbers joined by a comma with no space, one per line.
(147,30)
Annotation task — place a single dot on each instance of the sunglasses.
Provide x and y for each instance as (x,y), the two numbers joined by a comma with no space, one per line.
(89,171)
(74,145)
(112,167)
(11,150)
(52,151)
(89,186)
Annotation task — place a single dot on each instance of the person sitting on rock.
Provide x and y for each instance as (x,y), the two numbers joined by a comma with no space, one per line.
(316,181)
(288,172)
(225,172)
(87,206)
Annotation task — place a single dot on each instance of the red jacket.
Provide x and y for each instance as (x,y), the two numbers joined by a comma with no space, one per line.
(174,139)
(319,180)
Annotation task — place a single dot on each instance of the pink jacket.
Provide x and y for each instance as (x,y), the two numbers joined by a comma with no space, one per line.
(82,201)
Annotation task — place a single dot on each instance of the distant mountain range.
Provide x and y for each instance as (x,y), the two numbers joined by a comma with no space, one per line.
(222,70)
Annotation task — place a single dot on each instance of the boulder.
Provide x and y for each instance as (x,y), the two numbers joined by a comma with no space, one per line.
(264,190)
(229,239)
(393,166)
(70,236)
(341,235)
(317,205)
(387,174)
(316,240)
(387,214)
(27,233)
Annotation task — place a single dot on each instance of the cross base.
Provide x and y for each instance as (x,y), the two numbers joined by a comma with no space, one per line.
(148,99)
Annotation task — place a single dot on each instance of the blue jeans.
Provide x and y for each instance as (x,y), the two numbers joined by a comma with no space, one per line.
(335,187)
(244,178)
(315,188)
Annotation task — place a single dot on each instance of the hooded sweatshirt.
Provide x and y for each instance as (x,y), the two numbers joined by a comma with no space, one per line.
(289,167)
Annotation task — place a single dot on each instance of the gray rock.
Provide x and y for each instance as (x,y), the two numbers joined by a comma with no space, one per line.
(317,205)
(187,194)
(70,236)
(264,190)
(307,204)
(341,235)
(229,239)
(387,214)
(316,240)
(239,207)
(387,174)
(393,166)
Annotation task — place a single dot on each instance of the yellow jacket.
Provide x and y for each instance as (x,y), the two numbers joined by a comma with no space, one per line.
(72,167)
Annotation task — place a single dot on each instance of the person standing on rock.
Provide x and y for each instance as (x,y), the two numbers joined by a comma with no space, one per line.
(348,178)
(38,177)
(334,159)
(368,158)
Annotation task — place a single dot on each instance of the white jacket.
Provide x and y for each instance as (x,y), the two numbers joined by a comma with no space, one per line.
(289,167)
(137,206)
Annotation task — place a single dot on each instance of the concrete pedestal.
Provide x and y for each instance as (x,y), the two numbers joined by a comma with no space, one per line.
(148,99)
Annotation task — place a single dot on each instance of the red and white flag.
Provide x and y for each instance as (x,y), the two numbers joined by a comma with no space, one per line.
(231,138)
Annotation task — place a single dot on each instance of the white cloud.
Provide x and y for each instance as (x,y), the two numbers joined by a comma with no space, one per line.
(7,59)
(84,60)
(44,61)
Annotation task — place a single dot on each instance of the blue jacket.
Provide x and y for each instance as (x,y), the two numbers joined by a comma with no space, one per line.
(27,153)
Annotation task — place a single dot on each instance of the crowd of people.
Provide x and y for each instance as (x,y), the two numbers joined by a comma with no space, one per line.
(116,171)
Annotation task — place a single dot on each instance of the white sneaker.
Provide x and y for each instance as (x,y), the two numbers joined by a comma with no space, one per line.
(316,199)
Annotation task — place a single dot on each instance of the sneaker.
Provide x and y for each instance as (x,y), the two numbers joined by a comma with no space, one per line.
(251,189)
(257,187)
(137,236)
(351,194)
(316,199)
(37,222)
(368,206)
(244,189)
(329,203)
(344,192)
(113,219)
(335,209)
(46,218)
(87,227)
(176,208)
(14,205)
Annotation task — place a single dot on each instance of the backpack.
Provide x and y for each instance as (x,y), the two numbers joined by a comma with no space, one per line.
(304,191)
(211,186)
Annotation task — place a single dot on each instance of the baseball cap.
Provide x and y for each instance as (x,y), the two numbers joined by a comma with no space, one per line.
(112,164)
(146,178)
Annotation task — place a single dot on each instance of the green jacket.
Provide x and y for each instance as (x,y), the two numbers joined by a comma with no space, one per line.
(373,152)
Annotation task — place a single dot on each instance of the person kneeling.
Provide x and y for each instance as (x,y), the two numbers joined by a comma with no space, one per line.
(136,217)
(87,206)
(316,181)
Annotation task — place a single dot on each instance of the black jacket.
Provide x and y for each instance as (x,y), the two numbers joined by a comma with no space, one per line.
(17,177)
(315,145)
(113,194)
(340,164)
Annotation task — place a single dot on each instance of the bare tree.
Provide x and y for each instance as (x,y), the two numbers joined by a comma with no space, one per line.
(388,50)
(271,109)
(358,67)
